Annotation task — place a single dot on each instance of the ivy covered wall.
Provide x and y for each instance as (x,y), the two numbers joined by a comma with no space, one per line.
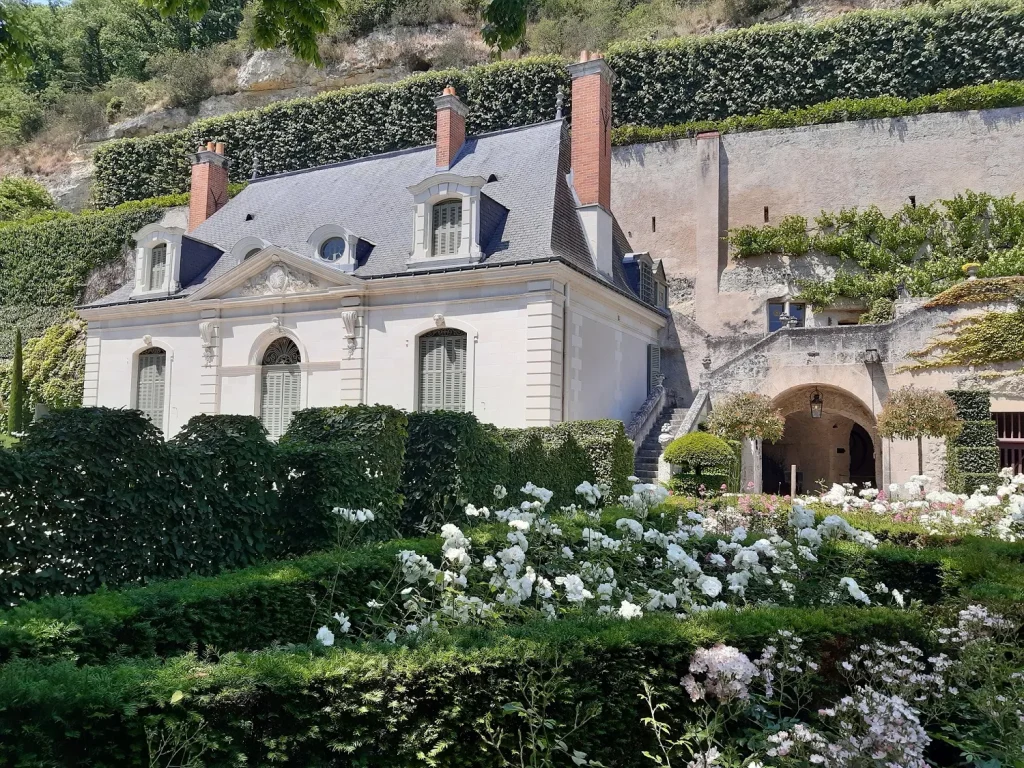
(905,53)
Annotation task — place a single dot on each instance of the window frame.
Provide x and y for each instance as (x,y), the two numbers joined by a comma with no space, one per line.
(333,239)
(265,369)
(454,228)
(459,337)
(786,304)
(144,355)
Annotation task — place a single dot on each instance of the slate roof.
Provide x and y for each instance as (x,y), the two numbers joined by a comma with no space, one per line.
(528,211)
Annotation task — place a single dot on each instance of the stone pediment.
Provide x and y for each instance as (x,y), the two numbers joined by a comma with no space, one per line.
(276,272)
(278,279)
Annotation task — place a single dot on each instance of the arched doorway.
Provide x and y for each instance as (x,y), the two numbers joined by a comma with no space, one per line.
(280,385)
(838,446)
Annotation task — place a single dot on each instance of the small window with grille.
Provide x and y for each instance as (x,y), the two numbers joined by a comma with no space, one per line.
(446,220)
(646,283)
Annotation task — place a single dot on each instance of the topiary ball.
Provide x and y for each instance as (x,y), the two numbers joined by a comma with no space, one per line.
(699,451)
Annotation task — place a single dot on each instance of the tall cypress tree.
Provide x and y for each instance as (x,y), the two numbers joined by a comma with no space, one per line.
(15,404)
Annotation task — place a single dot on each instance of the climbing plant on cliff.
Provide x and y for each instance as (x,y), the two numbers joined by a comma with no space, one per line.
(912,413)
(53,367)
(987,338)
(921,248)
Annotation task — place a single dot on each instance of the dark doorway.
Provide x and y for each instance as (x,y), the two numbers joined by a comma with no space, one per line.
(862,457)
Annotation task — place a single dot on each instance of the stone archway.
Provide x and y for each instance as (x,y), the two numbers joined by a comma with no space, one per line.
(841,446)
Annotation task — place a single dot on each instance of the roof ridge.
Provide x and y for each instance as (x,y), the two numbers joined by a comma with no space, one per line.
(399,152)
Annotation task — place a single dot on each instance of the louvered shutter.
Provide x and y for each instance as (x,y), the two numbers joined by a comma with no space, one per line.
(291,382)
(432,355)
(149,395)
(653,366)
(447,224)
(279,399)
(455,373)
(157,267)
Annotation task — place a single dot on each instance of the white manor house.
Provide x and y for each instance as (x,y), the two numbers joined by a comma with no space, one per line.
(514,275)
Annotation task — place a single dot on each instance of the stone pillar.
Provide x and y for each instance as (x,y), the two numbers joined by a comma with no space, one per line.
(353,356)
(709,228)
(750,466)
(544,350)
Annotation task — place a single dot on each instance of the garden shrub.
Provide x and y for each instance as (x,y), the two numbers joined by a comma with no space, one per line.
(387,706)
(690,484)
(609,451)
(381,433)
(451,459)
(903,53)
(700,452)
(972,458)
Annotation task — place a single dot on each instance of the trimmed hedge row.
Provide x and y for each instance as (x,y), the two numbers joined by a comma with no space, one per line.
(386,706)
(904,53)
(843,110)
(972,458)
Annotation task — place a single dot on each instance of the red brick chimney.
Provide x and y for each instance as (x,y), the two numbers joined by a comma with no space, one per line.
(209,183)
(592,80)
(451,127)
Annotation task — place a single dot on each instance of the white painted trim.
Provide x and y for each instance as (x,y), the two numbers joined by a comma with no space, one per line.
(133,394)
(326,231)
(472,338)
(246,244)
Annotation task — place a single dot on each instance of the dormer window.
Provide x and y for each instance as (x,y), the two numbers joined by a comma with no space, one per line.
(157,267)
(332,249)
(646,283)
(446,219)
(157,260)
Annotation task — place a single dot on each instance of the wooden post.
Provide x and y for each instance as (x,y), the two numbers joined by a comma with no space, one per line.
(792,480)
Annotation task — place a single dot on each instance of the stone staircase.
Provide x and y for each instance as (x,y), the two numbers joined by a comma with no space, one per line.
(650,450)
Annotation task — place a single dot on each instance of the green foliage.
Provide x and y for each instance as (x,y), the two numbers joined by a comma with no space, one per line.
(380,433)
(746,415)
(609,451)
(54,366)
(993,95)
(16,398)
(700,453)
(341,125)
(881,310)
(385,706)
(788,238)
(451,460)
(21,198)
(972,457)
(980,292)
(910,412)
(991,337)
(779,67)
(704,486)
(20,116)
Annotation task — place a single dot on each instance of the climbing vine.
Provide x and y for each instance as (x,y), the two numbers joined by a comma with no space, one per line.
(920,248)
(983,339)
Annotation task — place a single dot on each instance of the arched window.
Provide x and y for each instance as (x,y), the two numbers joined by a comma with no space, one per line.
(250,253)
(446,220)
(443,370)
(332,249)
(157,266)
(279,385)
(149,386)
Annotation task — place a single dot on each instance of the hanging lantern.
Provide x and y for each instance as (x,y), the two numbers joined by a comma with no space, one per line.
(816,403)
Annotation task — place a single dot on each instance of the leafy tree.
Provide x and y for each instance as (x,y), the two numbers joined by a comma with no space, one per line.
(746,416)
(21,198)
(14,39)
(15,402)
(910,413)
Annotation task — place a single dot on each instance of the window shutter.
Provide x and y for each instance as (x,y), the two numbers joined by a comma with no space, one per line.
(455,373)
(149,396)
(271,403)
(431,373)
(157,266)
(447,223)
(646,283)
(653,366)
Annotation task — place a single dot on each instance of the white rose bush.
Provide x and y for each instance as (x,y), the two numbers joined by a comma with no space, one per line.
(572,563)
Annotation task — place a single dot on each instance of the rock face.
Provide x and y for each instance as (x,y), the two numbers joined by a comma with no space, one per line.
(275,70)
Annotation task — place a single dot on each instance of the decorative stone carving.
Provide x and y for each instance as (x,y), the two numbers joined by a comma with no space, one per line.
(277,279)
(208,337)
(275,322)
(439,320)
(147,340)
(348,317)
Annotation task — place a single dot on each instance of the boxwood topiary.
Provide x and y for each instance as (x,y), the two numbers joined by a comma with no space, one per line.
(700,453)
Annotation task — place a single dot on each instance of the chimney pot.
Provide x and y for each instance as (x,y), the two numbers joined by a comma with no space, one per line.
(451,127)
(220,148)
(210,146)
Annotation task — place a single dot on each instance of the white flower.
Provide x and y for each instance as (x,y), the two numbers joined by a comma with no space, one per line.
(709,585)
(325,636)
(575,592)
(343,620)
(630,611)
(500,492)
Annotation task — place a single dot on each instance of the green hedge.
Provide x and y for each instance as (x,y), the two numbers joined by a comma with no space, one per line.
(903,53)
(689,484)
(451,459)
(609,451)
(242,610)
(842,110)
(378,431)
(94,496)
(972,458)
(392,707)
